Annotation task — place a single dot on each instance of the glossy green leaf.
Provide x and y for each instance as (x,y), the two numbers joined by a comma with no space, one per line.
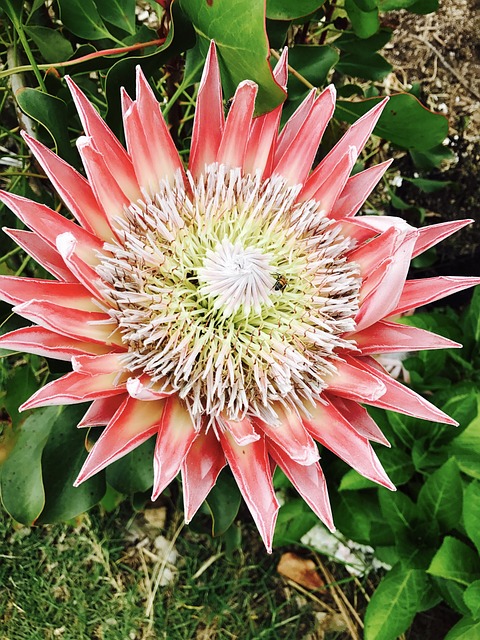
(353,481)
(472,599)
(51,43)
(431,158)
(394,603)
(440,497)
(351,43)
(465,629)
(19,386)
(52,113)
(397,464)
(81,17)
(452,593)
(429,186)
(398,510)
(21,481)
(363,15)
(466,449)
(393,5)
(120,13)
(223,503)
(471,512)
(455,561)
(353,514)
(295,519)
(288,10)
(134,472)
(364,64)
(239,32)
(313,63)
(404,121)
(63,457)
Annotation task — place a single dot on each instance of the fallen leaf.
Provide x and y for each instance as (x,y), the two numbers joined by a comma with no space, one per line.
(300,570)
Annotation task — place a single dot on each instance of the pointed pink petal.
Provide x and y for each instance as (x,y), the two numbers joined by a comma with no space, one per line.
(330,428)
(70,250)
(400,398)
(200,470)
(309,481)
(126,101)
(359,419)
(107,190)
(237,127)
(364,228)
(132,424)
(101,411)
(209,119)
(44,342)
(74,190)
(357,190)
(162,152)
(351,382)
(48,225)
(141,388)
(417,293)
(243,431)
(106,143)
(356,136)
(298,157)
(280,73)
(18,290)
(430,236)
(74,388)
(293,125)
(41,252)
(391,337)
(291,436)
(329,191)
(139,150)
(80,325)
(251,469)
(97,364)
(175,436)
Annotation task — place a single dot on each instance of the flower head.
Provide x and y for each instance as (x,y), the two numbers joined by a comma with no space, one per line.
(234,309)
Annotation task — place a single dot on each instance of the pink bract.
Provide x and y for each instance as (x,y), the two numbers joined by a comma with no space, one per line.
(233,310)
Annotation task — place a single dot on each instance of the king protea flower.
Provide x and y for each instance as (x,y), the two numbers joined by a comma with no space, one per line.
(234,309)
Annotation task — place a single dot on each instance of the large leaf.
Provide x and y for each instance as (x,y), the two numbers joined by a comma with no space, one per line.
(398,510)
(455,561)
(472,598)
(63,457)
(120,13)
(313,63)
(441,496)
(295,519)
(288,10)
(364,64)
(51,43)
(404,121)
(466,449)
(81,17)
(471,512)
(363,15)
(394,603)
(223,502)
(466,629)
(238,29)
(21,481)
(397,464)
(134,472)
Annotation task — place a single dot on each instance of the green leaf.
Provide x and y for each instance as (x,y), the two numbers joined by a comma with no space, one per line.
(472,599)
(424,6)
(397,464)
(471,512)
(82,19)
(398,510)
(353,481)
(404,121)
(120,13)
(363,15)
(51,44)
(295,519)
(466,449)
(440,497)
(430,158)
(223,502)
(353,514)
(364,64)
(63,457)
(452,593)
(429,186)
(473,315)
(288,10)
(21,481)
(393,5)
(394,603)
(52,113)
(350,43)
(465,629)
(239,32)
(455,561)
(313,63)
(20,385)
(134,472)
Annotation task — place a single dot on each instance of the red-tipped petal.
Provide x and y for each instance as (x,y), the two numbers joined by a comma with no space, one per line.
(237,127)
(251,469)
(19,290)
(42,252)
(132,424)
(291,436)
(330,428)
(243,431)
(209,119)
(417,293)
(175,436)
(435,233)
(357,190)
(280,73)
(97,365)
(391,337)
(328,193)
(359,418)
(80,325)
(356,136)
(106,143)
(309,481)
(293,125)
(74,388)
(49,344)
(400,398)
(351,382)
(101,411)
(200,469)
(297,160)
(74,190)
